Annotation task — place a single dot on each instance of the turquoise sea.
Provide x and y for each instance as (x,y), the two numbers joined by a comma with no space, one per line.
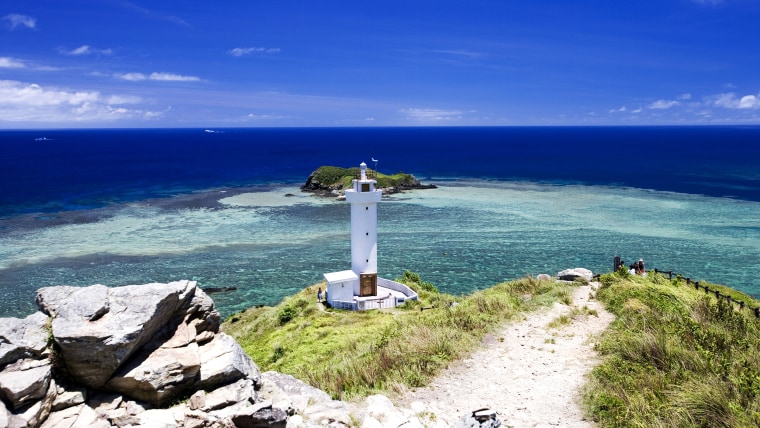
(121,207)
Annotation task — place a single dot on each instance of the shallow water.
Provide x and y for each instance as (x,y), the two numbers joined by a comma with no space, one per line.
(463,236)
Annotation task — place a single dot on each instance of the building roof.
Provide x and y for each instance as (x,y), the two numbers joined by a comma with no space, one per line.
(342,276)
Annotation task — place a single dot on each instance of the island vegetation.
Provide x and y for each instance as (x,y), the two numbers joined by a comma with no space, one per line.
(332,180)
(674,356)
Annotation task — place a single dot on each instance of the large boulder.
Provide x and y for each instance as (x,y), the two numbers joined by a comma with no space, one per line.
(575,273)
(24,381)
(168,373)
(33,414)
(239,392)
(223,361)
(98,328)
(160,376)
(289,393)
(22,338)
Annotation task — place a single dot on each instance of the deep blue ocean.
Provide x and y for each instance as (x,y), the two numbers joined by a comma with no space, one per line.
(118,207)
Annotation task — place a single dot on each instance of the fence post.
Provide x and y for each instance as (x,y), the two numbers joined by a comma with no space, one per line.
(616,263)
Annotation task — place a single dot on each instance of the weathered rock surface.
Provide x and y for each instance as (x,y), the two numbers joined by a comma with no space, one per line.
(22,338)
(24,381)
(572,274)
(98,328)
(122,353)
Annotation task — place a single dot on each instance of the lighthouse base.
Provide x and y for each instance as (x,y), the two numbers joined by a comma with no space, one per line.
(388,294)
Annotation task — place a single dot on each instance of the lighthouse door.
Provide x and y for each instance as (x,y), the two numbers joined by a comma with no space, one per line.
(367,284)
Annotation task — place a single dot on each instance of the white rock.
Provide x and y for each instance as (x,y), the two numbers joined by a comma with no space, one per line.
(576,272)
(24,381)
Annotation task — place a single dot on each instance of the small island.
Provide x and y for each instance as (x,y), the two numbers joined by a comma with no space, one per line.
(331,181)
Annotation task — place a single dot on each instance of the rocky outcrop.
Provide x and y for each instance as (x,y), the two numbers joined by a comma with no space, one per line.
(117,356)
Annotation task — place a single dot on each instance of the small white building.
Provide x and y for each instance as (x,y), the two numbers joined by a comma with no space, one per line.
(360,288)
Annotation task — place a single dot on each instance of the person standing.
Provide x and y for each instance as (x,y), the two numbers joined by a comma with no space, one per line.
(319,295)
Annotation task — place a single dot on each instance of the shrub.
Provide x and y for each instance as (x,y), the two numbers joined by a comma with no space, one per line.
(286,314)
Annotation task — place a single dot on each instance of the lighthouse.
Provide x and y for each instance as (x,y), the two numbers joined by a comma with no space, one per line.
(360,288)
(363,197)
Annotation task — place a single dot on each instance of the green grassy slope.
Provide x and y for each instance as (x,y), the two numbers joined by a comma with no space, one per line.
(675,356)
(352,354)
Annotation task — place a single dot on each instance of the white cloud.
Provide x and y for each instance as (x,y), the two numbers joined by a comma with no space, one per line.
(167,77)
(6,62)
(247,51)
(663,104)
(431,115)
(86,50)
(731,101)
(16,20)
(618,110)
(686,96)
(18,93)
(253,116)
(30,102)
(173,77)
(132,77)
(638,110)
(123,99)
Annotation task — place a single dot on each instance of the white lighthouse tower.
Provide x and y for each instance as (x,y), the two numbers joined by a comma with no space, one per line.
(358,288)
(363,197)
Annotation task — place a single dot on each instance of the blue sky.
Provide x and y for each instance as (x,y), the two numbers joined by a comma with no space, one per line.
(183,63)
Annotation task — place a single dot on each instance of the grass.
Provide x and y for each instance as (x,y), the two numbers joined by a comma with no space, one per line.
(355,354)
(675,357)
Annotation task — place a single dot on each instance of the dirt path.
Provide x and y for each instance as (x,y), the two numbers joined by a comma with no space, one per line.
(532,378)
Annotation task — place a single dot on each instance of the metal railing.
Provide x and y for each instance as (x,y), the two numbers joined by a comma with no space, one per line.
(717,292)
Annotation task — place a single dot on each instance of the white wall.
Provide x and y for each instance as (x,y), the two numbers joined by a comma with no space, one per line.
(364,229)
(341,291)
